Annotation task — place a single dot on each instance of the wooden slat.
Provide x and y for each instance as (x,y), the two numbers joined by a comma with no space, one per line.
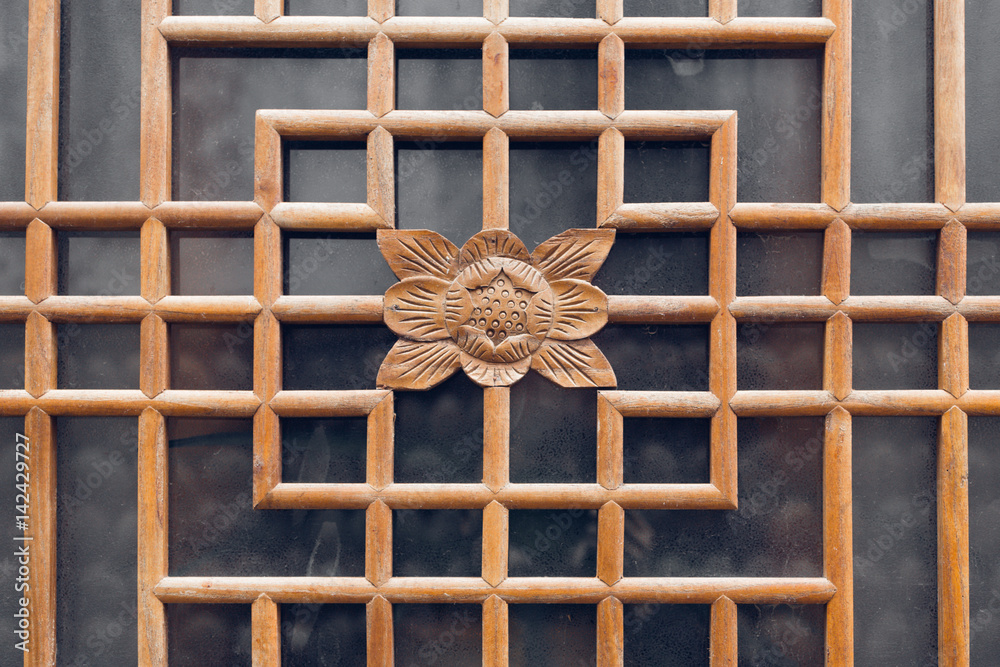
(837,261)
(495,632)
(837,356)
(327,309)
(496,11)
(155,262)
(610,543)
(677,217)
(610,633)
(333,403)
(356,217)
(155,109)
(381,75)
(723,645)
(953,540)
(268,180)
(266,631)
(39,355)
(153,539)
(838,537)
(722,11)
(496,529)
(496,180)
(661,403)
(382,175)
(610,11)
(94,215)
(496,437)
(40,277)
(42,138)
(268,10)
(953,356)
(266,454)
(154,362)
(380,443)
(381,10)
(611,76)
(496,75)
(951,261)
(949,103)
(836,119)
(661,309)
(610,173)
(266,356)
(379,633)
(41,528)
(609,443)
(208,214)
(378,543)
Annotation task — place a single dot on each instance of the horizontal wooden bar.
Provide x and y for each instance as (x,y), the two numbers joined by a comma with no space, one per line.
(94,308)
(858,216)
(661,309)
(672,590)
(94,215)
(15,308)
(131,402)
(209,214)
(860,402)
(858,308)
(663,403)
(535,125)
(16,215)
(207,308)
(897,216)
(332,217)
(675,217)
(349,403)
(782,308)
(980,308)
(294,31)
(985,216)
(782,403)
(323,309)
(478,496)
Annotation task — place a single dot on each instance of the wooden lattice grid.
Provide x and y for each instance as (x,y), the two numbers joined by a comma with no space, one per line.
(41,309)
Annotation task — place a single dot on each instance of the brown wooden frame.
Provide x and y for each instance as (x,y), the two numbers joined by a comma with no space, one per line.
(40,309)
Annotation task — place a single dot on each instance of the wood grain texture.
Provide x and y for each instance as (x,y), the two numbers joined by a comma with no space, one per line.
(836,112)
(661,309)
(152,549)
(39,355)
(378,543)
(41,594)
(326,309)
(266,454)
(154,362)
(496,11)
(951,261)
(495,632)
(266,632)
(333,403)
(210,214)
(42,135)
(381,75)
(837,261)
(610,633)
(496,437)
(953,355)
(382,175)
(722,11)
(611,76)
(267,262)
(349,217)
(379,458)
(678,217)
(496,75)
(155,260)
(496,180)
(610,543)
(40,277)
(268,179)
(838,551)
(381,10)
(838,356)
(610,173)
(268,10)
(379,633)
(609,443)
(949,103)
(496,530)
(267,356)
(610,11)
(155,117)
(953,539)
(723,645)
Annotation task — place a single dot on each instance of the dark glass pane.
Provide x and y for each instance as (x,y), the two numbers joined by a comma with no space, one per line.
(895,355)
(439,186)
(211,262)
(893,263)
(553,79)
(214,530)
(217,93)
(777,93)
(982,265)
(780,8)
(779,263)
(553,543)
(12,246)
(11,355)
(331,263)
(324,450)
(555,635)
(99,94)
(439,433)
(98,356)
(777,530)
(326,171)
(984,538)
(553,187)
(208,634)
(666,171)
(99,263)
(895,531)
(439,7)
(13,103)
(214,7)
(657,357)
(984,355)
(781,635)
(447,635)
(97,517)
(323,634)
(780,356)
(982,91)
(439,79)
(566,9)
(333,356)
(553,432)
(656,265)
(10,428)
(326,8)
(660,8)
(665,450)
(892,120)
(437,543)
(666,635)
(211,356)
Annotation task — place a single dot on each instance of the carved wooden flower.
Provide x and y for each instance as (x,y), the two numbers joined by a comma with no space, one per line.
(495,310)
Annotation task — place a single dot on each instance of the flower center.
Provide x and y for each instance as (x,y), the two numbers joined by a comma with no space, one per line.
(499,308)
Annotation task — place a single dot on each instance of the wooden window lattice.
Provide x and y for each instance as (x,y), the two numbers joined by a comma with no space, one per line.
(41,309)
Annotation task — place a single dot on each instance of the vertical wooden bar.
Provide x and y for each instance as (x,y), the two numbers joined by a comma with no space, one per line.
(610,11)
(953,355)
(722,11)
(610,543)
(610,173)
(154,362)
(949,102)
(496,75)
(951,261)
(610,445)
(266,453)
(837,261)
(41,176)
(722,287)
(268,10)
(268,180)
(610,633)
(495,629)
(155,264)
(380,645)
(380,444)
(155,114)
(381,75)
(611,76)
(838,544)
(41,530)
(266,356)
(39,355)
(496,437)
(496,10)
(496,529)
(953,539)
(378,543)
(381,175)
(266,630)
(267,259)
(40,267)
(837,356)
(496,180)
(723,645)
(153,540)
(836,124)
(381,10)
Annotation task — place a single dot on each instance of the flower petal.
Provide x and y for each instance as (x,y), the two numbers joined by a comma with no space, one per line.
(581,310)
(576,253)
(480,273)
(414,308)
(457,307)
(492,243)
(524,276)
(418,252)
(418,365)
(540,311)
(487,374)
(575,363)
(516,347)
(475,342)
